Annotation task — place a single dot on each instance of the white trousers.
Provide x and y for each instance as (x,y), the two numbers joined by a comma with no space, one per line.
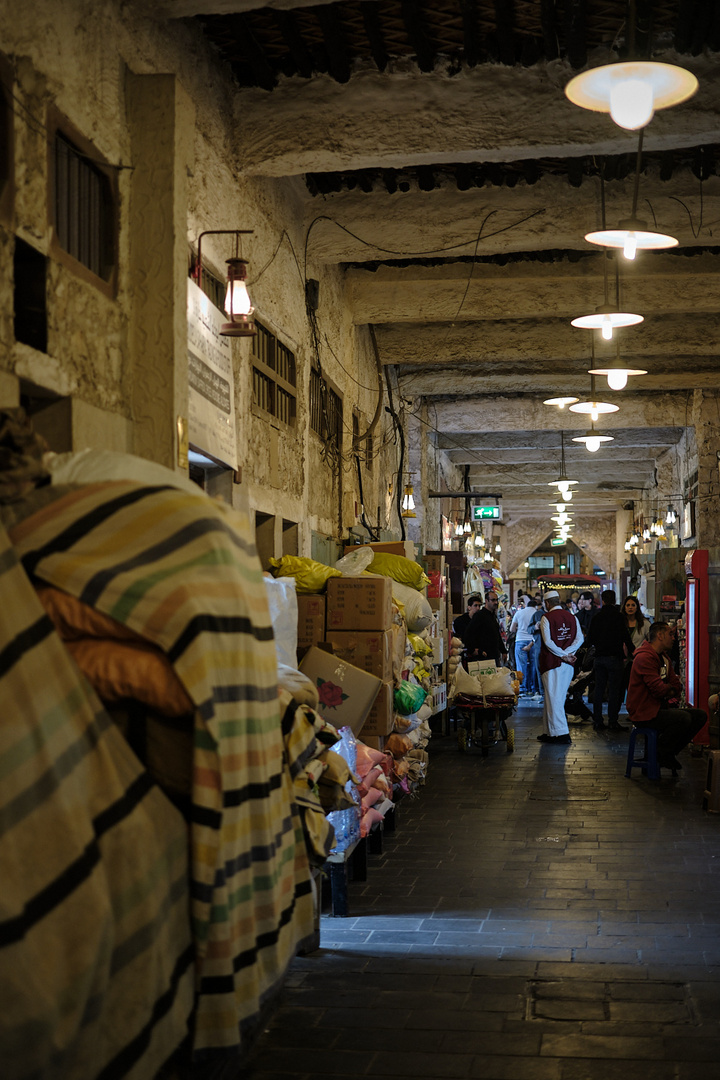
(556,683)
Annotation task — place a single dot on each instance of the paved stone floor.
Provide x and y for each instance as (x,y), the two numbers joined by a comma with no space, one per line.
(535,915)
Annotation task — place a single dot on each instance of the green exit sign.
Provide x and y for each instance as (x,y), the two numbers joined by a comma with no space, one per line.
(557,542)
(486,513)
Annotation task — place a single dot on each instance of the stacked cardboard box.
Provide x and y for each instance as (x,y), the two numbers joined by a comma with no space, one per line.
(311,622)
(360,628)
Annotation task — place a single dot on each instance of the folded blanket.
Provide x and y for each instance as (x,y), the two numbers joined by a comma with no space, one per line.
(182,573)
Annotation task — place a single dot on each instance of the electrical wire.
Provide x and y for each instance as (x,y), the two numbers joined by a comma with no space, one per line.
(415,254)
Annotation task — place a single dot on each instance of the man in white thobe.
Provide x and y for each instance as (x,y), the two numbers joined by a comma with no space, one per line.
(561,638)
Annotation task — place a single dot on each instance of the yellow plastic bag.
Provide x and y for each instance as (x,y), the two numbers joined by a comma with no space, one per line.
(419,645)
(310,576)
(397,567)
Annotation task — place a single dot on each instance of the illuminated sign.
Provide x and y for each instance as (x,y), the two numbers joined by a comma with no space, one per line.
(486,513)
(557,541)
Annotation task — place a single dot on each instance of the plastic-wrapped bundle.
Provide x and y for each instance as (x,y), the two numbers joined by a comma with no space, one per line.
(346,823)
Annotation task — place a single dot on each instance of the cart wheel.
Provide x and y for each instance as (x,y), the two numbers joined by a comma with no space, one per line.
(462,739)
(510,740)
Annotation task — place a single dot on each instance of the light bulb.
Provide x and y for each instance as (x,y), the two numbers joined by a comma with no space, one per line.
(563,485)
(560,507)
(567,495)
(408,502)
(594,415)
(467,527)
(631,103)
(607,328)
(478,540)
(617,380)
(498,548)
(630,245)
(241,303)
(592,443)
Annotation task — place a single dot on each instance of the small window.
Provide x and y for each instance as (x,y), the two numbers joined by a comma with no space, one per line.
(274,377)
(83,208)
(326,412)
(29,296)
(82,205)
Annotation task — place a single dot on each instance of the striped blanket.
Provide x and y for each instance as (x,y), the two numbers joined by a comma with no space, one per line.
(180,570)
(96,958)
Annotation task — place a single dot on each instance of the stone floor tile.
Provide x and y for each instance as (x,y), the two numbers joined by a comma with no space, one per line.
(625,956)
(599,1046)
(433,1066)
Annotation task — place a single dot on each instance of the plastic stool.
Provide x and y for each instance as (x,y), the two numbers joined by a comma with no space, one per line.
(711,797)
(649,763)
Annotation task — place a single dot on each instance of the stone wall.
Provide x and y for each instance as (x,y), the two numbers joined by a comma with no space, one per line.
(122,351)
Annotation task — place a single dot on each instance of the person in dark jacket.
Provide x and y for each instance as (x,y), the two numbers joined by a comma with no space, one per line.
(653,693)
(609,636)
(460,625)
(483,640)
(585,611)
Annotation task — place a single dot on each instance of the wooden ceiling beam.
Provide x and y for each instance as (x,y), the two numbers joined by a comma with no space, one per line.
(288,26)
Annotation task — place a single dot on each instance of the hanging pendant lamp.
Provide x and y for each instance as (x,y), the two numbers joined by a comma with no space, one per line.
(633,91)
(632,234)
(562,483)
(594,408)
(593,440)
(561,402)
(607,317)
(616,372)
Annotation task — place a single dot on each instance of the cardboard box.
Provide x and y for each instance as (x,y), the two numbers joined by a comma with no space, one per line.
(311,620)
(370,650)
(435,562)
(357,603)
(482,667)
(346,693)
(375,742)
(381,717)
(439,697)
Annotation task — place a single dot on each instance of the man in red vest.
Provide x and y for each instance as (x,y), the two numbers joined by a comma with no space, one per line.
(561,638)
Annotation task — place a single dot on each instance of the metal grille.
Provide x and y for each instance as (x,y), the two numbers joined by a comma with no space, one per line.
(262,345)
(285,363)
(263,391)
(325,410)
(83,208)
(274,384)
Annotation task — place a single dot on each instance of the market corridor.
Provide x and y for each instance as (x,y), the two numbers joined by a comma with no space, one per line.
(535,915)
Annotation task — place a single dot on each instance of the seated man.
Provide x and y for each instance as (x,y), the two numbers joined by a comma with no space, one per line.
(654,692)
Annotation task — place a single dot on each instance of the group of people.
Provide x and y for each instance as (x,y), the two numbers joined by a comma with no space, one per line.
(618,647)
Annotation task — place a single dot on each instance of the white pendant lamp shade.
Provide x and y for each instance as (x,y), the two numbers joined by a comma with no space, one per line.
(606,319)
(617,375)
(592,440)
(561,402)
(631,235)
(563,484)
(594,408)
(632,91)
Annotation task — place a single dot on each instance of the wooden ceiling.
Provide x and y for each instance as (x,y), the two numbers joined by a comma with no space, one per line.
(447,174)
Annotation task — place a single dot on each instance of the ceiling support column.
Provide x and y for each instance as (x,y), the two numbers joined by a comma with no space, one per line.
(706,421)
(161,122)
